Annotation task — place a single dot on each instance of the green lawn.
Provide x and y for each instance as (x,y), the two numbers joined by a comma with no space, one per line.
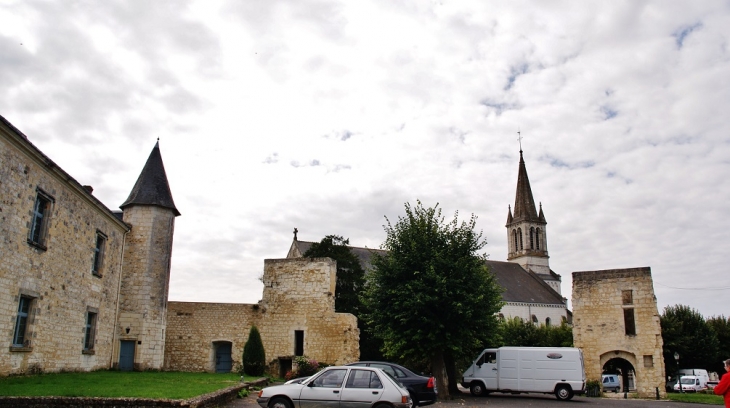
(697,398)
(158,385)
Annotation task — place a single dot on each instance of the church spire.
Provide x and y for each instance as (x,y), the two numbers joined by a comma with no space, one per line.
(524,203)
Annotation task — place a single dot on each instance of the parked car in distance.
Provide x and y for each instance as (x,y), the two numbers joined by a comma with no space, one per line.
(610,382)
(341,386)
(423,390)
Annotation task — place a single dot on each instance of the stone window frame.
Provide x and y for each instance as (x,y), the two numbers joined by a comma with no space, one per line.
(648,361)
(90,324)
(99,249)
(629,321)
(516,243)
(532,238)
(537,238)
(298,343)
(27,319)
(519,233)
(40,219)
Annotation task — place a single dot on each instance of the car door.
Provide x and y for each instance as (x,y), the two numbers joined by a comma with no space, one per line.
(324,391)
(362,389)
(487,370)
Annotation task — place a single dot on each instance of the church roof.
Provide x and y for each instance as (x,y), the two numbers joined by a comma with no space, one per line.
(152,187)
(522,286)
(363,254)
(525,209)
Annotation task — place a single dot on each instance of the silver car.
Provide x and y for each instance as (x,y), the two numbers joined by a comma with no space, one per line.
(339,387)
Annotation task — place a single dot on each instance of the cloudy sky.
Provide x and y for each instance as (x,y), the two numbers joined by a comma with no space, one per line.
(328,116)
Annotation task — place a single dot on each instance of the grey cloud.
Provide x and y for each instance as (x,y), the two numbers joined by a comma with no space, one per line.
(271,159)
(681,33)
(515,71)
(556,162)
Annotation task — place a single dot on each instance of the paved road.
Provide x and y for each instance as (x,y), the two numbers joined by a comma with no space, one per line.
(522,400)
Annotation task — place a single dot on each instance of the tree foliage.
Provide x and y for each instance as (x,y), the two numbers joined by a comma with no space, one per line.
(685,331)
(431,296)
(516,332)
(350,275)
(254,356)
(721,326)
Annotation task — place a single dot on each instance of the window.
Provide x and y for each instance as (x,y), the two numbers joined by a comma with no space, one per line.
(330,379)
(627,297)
(39,221)
(648,361)
(21,323)
(537,238)
(363,379)
(298,342)
(514,235)
(532,238)
(547,321)
(519,232)
(98,253)
(629,322)
(90,331)
(534,320)
(501,317)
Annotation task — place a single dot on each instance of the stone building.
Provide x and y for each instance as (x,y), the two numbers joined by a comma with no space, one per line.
(617,326)
(83,288)
(296,316)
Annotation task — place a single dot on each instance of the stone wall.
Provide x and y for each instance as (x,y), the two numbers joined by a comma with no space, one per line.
(58,276)
(600,301)
(298,295)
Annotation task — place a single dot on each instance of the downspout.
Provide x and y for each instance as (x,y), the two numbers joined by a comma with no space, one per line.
(119,291)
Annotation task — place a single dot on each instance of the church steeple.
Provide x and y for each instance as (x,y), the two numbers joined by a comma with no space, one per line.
(526,234)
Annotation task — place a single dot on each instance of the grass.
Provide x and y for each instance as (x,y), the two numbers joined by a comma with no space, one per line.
(697,398)
(110,384)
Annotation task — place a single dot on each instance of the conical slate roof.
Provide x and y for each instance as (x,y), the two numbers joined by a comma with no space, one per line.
(152,187)
(524,203)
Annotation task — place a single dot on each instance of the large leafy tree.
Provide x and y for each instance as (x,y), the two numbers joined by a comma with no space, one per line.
(685,331)
(350,281)
(350,275)
(721,326)
(431,296)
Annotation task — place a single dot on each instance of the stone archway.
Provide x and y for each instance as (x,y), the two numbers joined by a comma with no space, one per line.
(623,368)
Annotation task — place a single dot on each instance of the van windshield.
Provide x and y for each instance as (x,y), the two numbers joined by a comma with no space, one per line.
(688,380)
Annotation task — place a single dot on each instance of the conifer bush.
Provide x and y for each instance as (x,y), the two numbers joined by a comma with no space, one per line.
(254,356)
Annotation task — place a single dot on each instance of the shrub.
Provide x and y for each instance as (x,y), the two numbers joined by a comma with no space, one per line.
(254,356)
(305,366)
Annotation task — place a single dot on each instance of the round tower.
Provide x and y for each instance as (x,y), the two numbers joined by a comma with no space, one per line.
(150,211)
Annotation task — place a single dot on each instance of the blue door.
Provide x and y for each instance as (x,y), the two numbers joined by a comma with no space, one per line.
(223,360)
(126,355)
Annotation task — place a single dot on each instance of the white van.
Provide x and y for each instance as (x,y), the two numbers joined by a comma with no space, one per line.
(691,383)
(698,372)
(548,370)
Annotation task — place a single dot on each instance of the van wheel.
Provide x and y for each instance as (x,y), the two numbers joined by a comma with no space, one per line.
(477,389)
(563,392)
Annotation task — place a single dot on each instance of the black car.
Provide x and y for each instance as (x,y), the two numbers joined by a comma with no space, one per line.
(422,389)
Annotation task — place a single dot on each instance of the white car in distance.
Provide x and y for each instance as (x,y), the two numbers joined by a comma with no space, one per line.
(339,387)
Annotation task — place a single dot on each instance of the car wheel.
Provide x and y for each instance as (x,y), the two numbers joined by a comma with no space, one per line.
(477,388)
(563,392)
(413,398)
(280,402)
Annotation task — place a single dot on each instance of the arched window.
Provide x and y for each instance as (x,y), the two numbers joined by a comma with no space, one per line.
(547,321)
(514,235)
(501,317)
(519,232)
(532,238)
(537,239)
(534,320)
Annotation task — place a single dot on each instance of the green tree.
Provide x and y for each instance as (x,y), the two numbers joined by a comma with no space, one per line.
(350,275)
(431,296)
(685,331)
(254,356)
(721,326)
(516,332)
(350,281)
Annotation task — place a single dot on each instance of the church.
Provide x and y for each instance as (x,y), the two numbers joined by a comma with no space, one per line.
(531,288)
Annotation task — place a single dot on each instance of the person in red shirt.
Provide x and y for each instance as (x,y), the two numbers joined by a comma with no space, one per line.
(723,388)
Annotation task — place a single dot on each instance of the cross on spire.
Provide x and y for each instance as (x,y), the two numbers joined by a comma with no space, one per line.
(519,139)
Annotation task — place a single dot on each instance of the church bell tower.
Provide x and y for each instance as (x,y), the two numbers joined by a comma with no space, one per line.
(526,234)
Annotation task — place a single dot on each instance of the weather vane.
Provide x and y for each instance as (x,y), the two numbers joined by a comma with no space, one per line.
(519,138)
